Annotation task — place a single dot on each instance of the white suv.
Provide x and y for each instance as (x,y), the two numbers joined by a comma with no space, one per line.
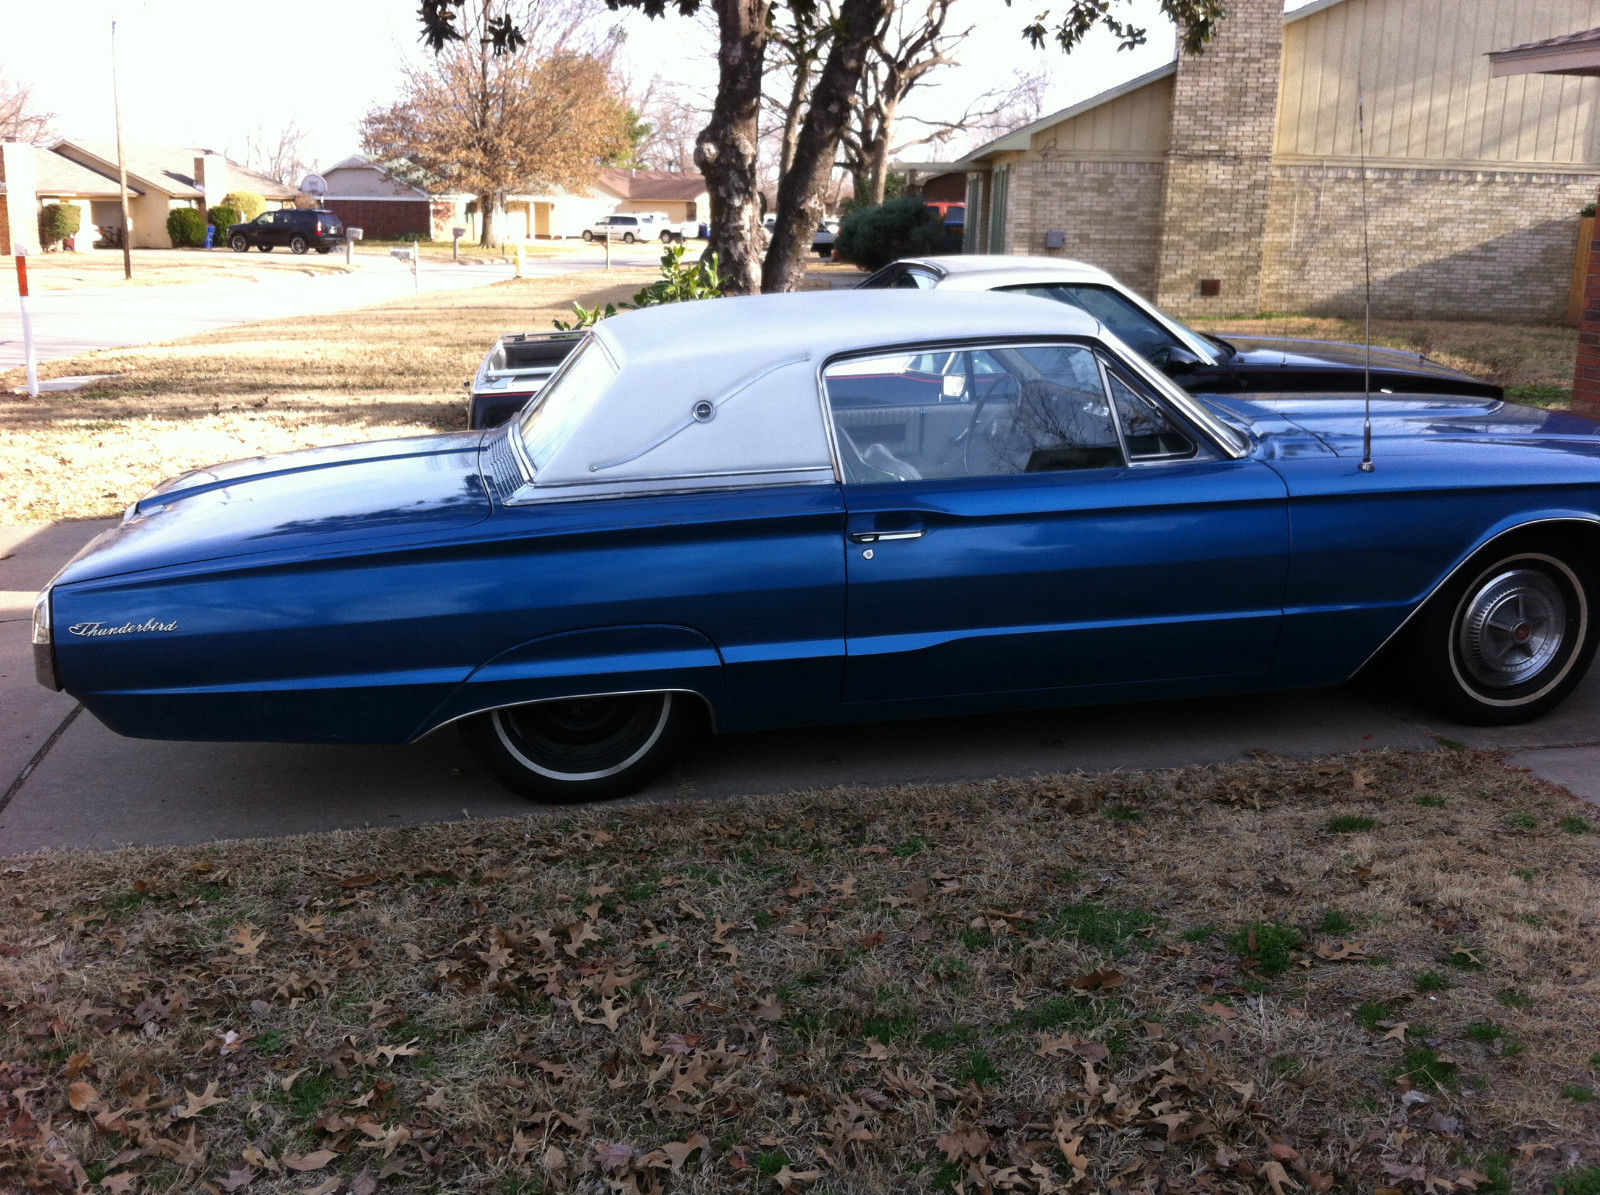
(631,227)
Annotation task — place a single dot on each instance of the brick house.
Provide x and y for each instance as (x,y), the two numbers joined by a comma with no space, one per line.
(1229,181)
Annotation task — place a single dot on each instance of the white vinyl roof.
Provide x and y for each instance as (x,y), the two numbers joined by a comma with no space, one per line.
(729,387)
(979,271)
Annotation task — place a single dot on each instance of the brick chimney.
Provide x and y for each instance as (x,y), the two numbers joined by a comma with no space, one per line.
(1219,164)
(210,178)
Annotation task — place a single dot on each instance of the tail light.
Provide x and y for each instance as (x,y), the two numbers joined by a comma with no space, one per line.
(319,227)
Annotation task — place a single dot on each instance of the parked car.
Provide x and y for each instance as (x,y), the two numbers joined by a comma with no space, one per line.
(827,235)
(839,508)
(298,228)
(635,226)
(1196,360)
(515,368)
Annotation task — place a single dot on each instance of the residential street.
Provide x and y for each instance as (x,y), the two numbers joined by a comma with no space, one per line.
(91,788)
(67,323)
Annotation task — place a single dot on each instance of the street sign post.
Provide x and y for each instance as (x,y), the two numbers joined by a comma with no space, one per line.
(27,325)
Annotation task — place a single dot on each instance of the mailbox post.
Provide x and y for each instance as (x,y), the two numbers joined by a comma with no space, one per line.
(351,236)
(456,233)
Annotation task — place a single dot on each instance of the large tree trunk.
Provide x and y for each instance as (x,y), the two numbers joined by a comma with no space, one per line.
(486,221)
(802,183)
(726,149)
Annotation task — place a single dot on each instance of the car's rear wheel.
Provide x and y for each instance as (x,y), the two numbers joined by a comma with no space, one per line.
(627,238)
(581,749)
(587,235)
(1508,638)
(298,244)
(239,243)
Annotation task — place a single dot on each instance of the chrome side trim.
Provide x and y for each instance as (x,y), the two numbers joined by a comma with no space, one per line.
(711,710)
(1593,520)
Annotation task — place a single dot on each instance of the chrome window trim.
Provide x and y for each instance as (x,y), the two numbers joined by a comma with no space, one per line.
(1229,441)
(1211,430)
(1107,372)
(599,489)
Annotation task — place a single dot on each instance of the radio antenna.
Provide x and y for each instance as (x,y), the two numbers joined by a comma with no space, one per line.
(1366,259)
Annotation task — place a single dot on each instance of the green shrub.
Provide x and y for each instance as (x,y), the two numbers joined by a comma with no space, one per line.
(224,217)
(186,227)
(57,222)
(248,204)
(680,281)
(872,237)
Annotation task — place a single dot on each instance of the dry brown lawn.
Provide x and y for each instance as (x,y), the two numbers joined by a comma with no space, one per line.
(1534,362)
(393,370)
(1376,972)
(165,267)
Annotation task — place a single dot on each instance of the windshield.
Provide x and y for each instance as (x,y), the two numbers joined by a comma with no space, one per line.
(565,402)
(1132,324)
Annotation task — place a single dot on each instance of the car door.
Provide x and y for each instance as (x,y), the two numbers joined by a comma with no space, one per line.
(1039,522)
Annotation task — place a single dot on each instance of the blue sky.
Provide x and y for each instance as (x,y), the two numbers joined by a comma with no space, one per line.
(208,76)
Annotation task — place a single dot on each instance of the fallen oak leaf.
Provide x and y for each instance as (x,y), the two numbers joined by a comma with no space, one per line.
(326,1187)
(239,1176)
(1106,978)
(678,1152)
(789,1179)
(82,1096)
(1340,951)
(1398,1033)
(247,939)
(197,1104)
(120,1184)
(315,1160)
(1278,1178)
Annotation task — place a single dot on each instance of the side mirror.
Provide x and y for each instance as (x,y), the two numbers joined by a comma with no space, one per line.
(1178,359)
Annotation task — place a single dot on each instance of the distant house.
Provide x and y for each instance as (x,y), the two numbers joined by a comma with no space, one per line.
(1231,180)
(393,199)
(84,174)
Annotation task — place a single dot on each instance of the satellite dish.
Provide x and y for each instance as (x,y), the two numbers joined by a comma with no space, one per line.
(314,185)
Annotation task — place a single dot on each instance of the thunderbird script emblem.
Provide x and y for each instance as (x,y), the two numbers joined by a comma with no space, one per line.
(97,630)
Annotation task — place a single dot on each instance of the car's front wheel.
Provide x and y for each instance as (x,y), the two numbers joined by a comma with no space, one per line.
(627,238)
(587,235)
(1508,638)
(239,243)
(298,244)
(581,749)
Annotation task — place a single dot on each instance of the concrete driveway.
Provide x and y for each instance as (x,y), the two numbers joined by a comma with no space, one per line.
(68,323)
(72,783)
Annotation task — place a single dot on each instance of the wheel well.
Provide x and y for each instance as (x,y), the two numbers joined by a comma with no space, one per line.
(1555,535)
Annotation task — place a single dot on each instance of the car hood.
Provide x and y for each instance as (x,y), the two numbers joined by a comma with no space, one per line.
(295,502)
(1290,353)
(1406,420)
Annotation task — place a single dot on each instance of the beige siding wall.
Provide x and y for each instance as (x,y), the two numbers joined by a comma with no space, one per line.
(1426,81)
(1133,126)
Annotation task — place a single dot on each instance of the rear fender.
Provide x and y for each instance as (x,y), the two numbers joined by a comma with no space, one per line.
(588,663)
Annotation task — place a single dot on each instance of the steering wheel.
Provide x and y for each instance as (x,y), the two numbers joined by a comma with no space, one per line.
(970,433)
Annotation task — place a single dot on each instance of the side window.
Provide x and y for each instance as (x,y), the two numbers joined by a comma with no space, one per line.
(986,412)
(1148,432)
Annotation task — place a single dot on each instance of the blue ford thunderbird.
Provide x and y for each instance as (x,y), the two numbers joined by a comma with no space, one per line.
(811,508)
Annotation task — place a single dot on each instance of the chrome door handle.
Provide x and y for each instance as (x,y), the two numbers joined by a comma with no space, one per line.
(876,537)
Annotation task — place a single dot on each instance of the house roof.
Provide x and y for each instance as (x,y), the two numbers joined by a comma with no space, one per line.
(1020,139)
(652,184)
(56,175)
(170,168)
(1570,54)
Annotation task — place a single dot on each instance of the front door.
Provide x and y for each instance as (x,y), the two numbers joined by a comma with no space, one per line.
(1025,518)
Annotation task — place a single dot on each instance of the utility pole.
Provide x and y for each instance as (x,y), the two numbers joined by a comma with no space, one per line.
(122,170)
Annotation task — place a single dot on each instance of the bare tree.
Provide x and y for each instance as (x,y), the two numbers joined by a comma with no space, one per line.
(279,154)
(676,115)
(727,148)
(20,118)
(479,117)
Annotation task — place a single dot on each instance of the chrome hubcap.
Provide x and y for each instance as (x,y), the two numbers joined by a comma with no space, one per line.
(1513,627)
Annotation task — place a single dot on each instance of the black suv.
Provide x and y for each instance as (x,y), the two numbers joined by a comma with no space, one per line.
(300,229)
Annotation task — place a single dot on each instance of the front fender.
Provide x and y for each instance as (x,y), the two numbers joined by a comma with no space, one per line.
(627,659)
